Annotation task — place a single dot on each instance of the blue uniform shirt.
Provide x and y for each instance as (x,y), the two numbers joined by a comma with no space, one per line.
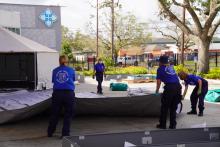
(167,74)
(99,67)
(192,80)
(63,78)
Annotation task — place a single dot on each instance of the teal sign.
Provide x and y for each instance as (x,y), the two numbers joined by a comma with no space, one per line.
(48,17)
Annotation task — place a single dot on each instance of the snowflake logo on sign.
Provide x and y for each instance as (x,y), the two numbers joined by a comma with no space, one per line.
(48,17)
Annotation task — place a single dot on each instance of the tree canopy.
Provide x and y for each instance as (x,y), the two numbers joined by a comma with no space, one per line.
(128,30)
(76,42)
(205,20)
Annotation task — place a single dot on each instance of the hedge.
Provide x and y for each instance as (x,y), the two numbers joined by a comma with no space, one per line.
(135,70)
(119,70)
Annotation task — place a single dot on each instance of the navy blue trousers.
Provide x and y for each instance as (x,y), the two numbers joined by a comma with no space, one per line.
(99,79)
(195,97)
(61,99)
(170,98)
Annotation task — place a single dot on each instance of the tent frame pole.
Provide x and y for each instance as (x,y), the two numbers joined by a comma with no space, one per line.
(35,71)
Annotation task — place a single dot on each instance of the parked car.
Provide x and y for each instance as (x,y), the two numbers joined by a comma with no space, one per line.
(127,59)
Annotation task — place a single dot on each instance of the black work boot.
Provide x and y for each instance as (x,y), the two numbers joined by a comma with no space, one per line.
(192,112)
(200,114)
(172,127)
(159,126)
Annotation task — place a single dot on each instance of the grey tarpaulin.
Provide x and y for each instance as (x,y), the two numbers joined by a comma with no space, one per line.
(143,105)
(23,104)
(139,102)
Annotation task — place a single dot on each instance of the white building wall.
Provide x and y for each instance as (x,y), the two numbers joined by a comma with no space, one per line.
(10,19)
(31,26)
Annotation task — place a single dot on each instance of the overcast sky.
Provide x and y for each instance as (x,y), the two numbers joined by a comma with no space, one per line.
(76,13)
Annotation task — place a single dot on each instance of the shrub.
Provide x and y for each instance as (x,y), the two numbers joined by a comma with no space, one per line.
(78,68)
(79,73)
(108,62)
(135,70)
(117,70)
(180,68)
(88,73)
(153,70)
(213,74)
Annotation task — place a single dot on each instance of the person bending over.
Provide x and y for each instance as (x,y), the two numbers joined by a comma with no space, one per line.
(199,92)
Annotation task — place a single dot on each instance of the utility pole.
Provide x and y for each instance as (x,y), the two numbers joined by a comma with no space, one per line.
(183,38)
(97,30)
(113,29)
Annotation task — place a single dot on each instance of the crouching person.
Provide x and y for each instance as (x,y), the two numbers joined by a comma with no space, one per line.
(199,92)
(171,94)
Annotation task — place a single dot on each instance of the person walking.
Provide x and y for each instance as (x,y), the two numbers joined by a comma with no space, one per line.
(99,72)
(199,92)
(63,96)
(171,94)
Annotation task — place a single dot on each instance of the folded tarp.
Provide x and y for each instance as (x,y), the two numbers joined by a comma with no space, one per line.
(213,95)
(118,86)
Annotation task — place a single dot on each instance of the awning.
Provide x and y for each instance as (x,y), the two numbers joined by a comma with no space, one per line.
(12,42)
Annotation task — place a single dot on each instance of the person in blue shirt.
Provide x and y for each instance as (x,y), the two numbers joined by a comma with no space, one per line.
(63,96)
(99,72)
(171,94)
(199,92)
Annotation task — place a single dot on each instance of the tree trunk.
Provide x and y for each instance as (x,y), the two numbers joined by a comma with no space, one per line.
(203,56)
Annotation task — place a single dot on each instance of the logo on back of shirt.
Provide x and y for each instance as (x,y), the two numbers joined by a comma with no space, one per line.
(170,70)
(62,76)
(192,83)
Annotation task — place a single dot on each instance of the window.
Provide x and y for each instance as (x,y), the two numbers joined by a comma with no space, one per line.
(15,30)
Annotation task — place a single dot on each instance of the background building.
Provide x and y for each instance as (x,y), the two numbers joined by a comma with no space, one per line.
(39,23)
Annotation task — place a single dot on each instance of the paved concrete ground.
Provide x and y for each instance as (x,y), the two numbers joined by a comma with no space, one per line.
(32,132)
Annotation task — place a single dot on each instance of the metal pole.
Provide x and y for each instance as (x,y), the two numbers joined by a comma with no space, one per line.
(148,56)
(88,61)
(35,72)
(113,28)
(183,38)
(94,62)
(125,60)
(97,31)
